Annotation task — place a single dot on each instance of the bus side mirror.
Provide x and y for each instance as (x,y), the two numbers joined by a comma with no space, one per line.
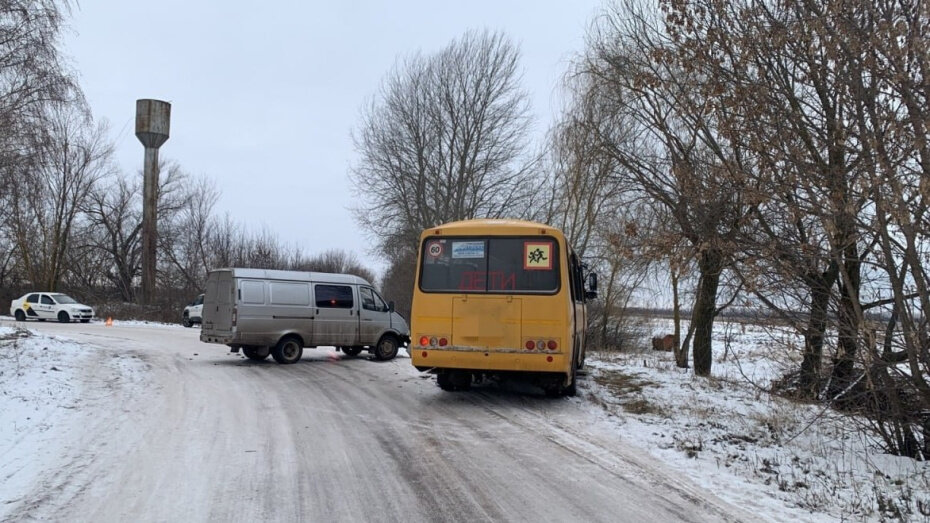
(591,292)
(391,306)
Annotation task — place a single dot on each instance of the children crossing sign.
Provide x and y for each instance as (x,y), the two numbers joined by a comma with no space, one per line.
(537,256)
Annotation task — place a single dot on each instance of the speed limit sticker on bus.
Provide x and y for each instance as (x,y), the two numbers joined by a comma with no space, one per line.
(434,249)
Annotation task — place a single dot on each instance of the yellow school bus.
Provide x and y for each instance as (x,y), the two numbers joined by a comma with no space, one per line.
(499,298)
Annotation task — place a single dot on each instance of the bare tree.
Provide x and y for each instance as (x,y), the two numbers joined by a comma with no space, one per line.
(655,119)
(444,140)
(189,231)
(113,214)
(31,74)
(336,261)
(48,194)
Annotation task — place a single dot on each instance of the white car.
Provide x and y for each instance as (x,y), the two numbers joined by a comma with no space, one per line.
(193,313)
(50,306)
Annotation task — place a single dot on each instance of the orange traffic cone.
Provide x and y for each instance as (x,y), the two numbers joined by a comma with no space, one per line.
(109,321)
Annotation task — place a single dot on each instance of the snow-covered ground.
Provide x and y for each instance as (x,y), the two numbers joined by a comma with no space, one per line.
(752,448)
(45,394)
(772,457)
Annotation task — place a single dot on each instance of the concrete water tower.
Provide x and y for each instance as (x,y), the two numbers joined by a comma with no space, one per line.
(153,118)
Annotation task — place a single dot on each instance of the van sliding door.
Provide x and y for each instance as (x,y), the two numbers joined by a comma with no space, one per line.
(335,320)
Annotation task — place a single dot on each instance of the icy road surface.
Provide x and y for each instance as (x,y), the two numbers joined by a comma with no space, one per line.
(202,435)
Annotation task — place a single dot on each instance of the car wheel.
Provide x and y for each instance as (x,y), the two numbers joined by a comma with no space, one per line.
(351,351)
(20,315)
(288,350)
(387,348)
(256,353)
(186,321)
(63,317)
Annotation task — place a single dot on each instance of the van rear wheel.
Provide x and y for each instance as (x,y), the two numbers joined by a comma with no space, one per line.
(386,348)
(288,350)
(256,353)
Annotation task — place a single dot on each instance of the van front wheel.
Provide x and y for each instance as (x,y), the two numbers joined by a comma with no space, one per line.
(288,350)
(386,348)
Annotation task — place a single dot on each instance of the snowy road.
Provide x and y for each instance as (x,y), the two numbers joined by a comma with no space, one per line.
(209,436)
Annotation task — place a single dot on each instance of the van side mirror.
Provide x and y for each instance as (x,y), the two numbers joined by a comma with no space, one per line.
(391,306)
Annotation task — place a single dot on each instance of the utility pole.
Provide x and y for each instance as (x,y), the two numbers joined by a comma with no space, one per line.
(153,118)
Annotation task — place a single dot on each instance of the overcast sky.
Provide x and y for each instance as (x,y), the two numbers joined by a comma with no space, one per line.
(264,95)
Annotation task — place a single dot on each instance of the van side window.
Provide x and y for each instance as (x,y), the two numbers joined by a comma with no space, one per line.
(252,292)
(368,299)
(289,293)
(379,303)
(333,296)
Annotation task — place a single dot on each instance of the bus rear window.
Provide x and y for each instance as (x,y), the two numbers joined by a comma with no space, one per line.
(490,265)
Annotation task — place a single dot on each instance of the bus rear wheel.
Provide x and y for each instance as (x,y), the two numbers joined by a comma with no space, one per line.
(453,380)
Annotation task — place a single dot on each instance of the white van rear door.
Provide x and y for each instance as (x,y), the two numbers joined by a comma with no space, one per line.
(218,303)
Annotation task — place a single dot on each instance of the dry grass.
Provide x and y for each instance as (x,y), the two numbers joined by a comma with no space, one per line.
(627,388)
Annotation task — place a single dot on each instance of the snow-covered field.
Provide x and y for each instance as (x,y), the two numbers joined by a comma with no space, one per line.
(770,456)
(752,448)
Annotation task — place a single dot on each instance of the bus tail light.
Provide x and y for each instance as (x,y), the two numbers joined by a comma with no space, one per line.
(433,341)
(531,344)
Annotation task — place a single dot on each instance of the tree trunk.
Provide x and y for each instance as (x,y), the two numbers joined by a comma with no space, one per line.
(710,264)
(816,328)
(681,352)
(849,323)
